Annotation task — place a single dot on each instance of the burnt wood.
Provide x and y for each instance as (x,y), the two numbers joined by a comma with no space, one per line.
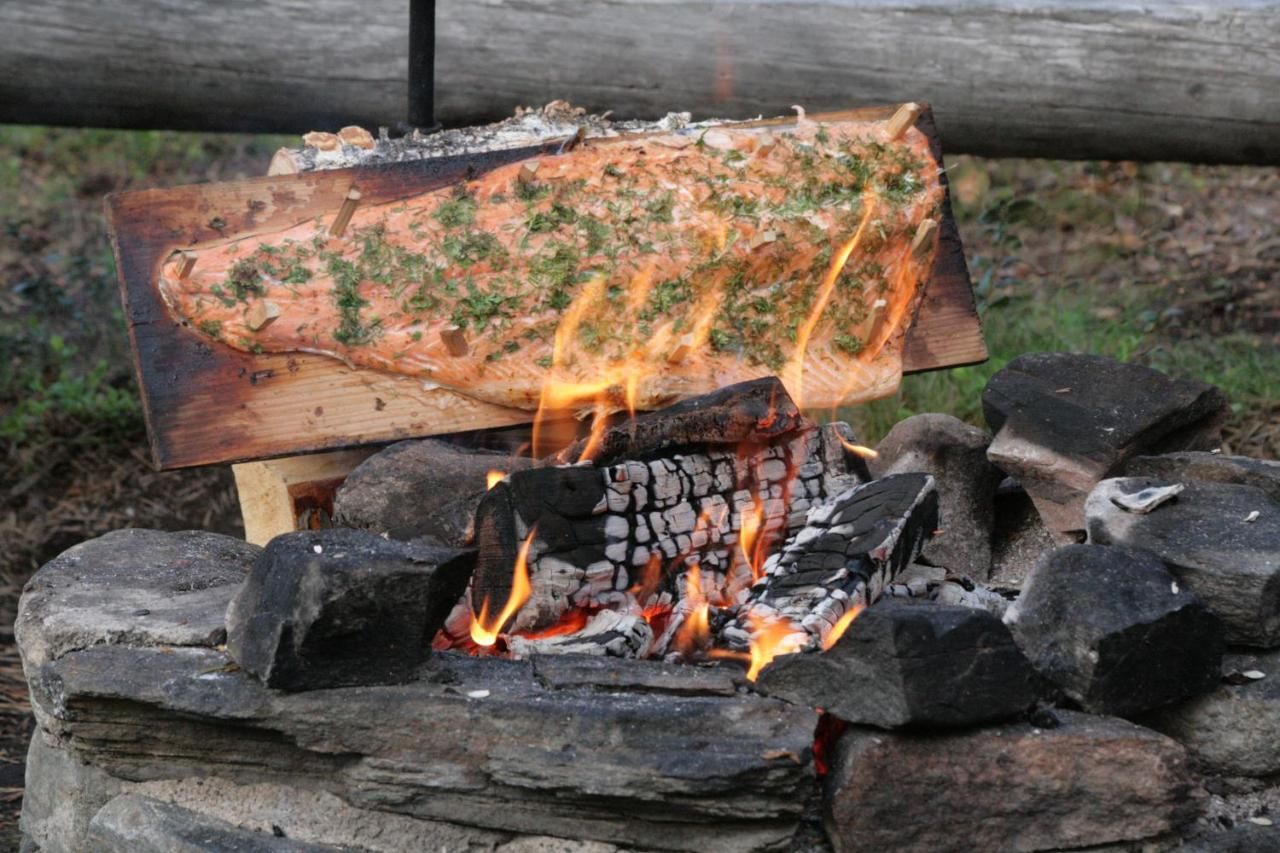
(210,403)
(1112,80)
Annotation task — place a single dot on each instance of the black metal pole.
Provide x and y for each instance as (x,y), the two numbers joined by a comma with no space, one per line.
(422,65)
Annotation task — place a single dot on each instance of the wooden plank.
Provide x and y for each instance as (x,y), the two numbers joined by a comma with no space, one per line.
(274,493)
(1189,80)
(206,404)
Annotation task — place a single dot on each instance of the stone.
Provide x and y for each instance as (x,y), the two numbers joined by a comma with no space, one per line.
(131,823)
(903,663)
(1209,468)
(421,488)
(1115,630)
(1063,422)
(1241,838)
(1020,540)
(1089,781)
(955,455)
(132,586)
(1235,729)
(1222,541)
(338,608)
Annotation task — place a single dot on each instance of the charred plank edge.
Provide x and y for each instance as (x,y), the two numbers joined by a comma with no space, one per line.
(146,226)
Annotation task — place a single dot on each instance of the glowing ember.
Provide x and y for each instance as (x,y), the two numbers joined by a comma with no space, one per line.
(769,639)
(493,478)
(485,632)
(695,631)
(842,625)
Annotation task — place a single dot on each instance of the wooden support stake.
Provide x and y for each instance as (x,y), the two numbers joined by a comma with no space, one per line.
(345,213)
(903,120)
(456,341)
(923,241)
(188,263)
(274,494)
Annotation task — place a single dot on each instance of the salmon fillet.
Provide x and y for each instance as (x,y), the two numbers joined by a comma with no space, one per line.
(645,268)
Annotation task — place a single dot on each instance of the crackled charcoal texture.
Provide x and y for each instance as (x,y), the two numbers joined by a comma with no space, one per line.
(623,536)
(849,550)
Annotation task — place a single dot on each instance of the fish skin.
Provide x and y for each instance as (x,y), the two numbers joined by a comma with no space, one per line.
(688,240)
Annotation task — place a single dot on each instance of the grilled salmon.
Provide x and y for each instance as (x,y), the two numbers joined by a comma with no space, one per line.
(646,268)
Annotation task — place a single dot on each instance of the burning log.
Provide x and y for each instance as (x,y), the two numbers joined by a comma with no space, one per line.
(850,548)
(730,475)
(759,411)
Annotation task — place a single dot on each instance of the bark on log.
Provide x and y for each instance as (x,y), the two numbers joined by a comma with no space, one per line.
(1191,80)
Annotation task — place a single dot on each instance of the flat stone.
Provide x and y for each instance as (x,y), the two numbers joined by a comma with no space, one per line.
(1235,729)
(338,608)
(903,662)
(130,823)
(955,454)
(1089,781)
(146,587)
(1115,630)
(1222,541)
(421,488)
(1209,468)
(1065,421)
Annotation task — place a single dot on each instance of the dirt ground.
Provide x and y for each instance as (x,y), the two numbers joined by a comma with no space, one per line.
(1174,266)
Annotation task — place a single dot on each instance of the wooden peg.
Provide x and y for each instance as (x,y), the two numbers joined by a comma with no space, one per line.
(185,265)
(573,141)
(903,120)
(922,243)
(455,340)
(348,209)
(261,314)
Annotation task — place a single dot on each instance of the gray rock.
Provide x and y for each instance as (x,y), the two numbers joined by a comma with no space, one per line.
(1241,838)
(422,488)
(1020,540)
(131,823)
(337,608)
(1089,781)
(1222,541)
(1209,468)
(1064,421)
(132,586)
(955,453)
(62,794)
(1234,730)
(904,662)
(1115,630)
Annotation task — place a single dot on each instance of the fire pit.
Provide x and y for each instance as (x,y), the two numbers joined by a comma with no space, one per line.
(709,618)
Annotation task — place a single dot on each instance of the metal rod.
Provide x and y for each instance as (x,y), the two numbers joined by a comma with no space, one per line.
(422,65)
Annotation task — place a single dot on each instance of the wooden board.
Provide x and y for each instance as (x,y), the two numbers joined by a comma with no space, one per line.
(209,403)
(1105,79)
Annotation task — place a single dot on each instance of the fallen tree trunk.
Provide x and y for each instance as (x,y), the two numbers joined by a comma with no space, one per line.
(1107,79)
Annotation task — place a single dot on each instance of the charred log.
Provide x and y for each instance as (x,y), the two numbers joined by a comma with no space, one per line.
(759,411)
(850,549)
(622,537)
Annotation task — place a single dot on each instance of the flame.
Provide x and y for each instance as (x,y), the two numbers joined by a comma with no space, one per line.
(493,478)
(485,632)
(572,622)
(842,625)
(769,639)
(858,449)
(751,543)
(695,631)
(793,372)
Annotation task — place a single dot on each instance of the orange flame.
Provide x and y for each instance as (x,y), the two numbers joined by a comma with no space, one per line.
(493,478)
(572,622)
(842,625)
(695,631)
(793,373)
(771,638)
(750,541)
(484,632)
(858,449)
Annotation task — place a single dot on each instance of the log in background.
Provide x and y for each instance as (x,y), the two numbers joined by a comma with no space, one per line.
(1105,79)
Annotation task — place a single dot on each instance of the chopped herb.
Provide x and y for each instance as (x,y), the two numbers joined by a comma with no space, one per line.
(474,247)
(613,171)
(212,328)
(245,280)
(851,344)
(531,190)
(544,362)
(660,208)
(459,210)
(544,221)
